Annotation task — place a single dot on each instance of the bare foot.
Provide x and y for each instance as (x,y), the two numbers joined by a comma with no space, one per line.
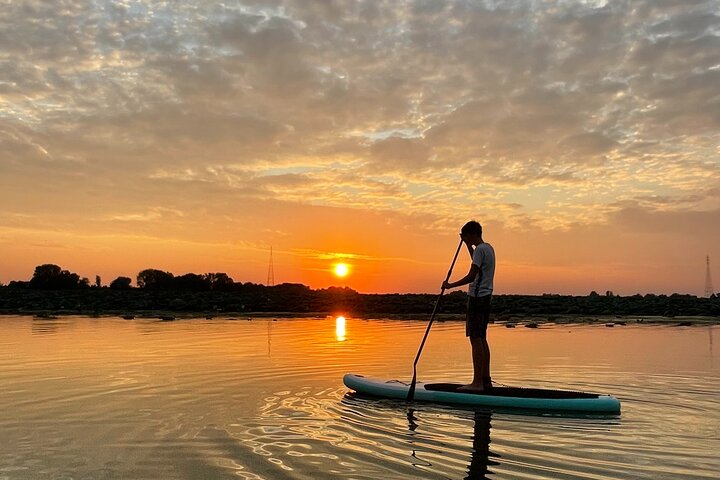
(471,388)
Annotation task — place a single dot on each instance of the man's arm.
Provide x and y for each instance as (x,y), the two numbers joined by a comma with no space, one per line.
(472,273)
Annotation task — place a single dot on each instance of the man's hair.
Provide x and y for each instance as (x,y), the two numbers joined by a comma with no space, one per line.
(472,228)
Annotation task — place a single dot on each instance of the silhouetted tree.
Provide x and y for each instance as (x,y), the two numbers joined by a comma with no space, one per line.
(98,281)
(293,288)
(191,281)
(52,277)
(219,281)
(155,279)
(121,283)
(45,275)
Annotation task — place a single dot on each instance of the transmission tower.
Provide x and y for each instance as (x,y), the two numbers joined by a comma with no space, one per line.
(708,279)
(271,271)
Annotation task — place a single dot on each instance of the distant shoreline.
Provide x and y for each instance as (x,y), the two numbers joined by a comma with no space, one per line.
(527,321)
(293,300)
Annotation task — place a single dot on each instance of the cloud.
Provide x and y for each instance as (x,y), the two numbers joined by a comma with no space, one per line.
(18,145)
(398,152)
(153,214)
(676,222)
(590,143)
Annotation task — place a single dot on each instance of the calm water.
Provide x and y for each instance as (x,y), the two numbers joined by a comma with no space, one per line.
(108,398)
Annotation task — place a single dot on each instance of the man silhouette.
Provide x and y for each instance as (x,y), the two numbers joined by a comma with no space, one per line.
(480,277)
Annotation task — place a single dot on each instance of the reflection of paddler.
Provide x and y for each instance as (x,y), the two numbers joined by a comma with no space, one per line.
(480,459)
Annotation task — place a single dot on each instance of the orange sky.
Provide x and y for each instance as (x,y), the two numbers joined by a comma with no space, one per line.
(191,138)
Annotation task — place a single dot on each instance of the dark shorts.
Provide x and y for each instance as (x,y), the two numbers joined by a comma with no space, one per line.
(478,316)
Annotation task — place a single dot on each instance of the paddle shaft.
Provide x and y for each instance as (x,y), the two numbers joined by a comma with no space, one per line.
(411,391)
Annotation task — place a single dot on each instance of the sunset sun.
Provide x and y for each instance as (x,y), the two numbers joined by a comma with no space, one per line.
(341,270)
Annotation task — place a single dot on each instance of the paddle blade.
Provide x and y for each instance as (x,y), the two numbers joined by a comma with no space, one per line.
(411,390)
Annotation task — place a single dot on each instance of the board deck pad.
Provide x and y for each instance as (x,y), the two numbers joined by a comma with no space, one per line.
(517,392)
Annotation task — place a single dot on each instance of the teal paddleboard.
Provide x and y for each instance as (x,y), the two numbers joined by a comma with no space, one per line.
(495,397)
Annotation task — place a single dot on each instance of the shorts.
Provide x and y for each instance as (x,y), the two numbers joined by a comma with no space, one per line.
(478,316)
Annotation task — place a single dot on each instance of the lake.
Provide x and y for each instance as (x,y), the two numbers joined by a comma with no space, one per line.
(106,398)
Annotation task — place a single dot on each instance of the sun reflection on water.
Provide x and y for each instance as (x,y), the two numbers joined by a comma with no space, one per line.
(340,328)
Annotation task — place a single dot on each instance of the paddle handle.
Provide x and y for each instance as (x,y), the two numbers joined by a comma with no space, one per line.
(411,391)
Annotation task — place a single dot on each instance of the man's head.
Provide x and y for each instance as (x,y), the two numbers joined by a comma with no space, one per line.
(472,232)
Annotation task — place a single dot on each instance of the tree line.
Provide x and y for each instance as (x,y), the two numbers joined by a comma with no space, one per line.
(54,289)
(53,277)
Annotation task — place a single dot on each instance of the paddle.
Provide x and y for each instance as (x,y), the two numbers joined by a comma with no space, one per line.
(411,392)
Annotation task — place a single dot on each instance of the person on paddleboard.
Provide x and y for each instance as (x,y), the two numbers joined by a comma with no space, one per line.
(480,277)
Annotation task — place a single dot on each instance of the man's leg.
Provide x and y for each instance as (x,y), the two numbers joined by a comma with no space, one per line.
(480,360)
(479,347)
(478,317)
(485,355)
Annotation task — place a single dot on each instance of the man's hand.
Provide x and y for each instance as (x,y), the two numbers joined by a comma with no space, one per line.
(446,285)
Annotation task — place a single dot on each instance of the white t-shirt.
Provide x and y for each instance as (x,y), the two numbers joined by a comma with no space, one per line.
(484,258)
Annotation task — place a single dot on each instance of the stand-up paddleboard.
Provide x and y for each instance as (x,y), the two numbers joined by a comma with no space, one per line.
(498,397)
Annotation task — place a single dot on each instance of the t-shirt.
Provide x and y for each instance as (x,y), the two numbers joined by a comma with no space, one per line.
(484,258)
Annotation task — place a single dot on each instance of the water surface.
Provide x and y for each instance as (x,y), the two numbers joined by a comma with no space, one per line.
(109,398)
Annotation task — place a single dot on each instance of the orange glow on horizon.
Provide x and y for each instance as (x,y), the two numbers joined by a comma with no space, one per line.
(382,262)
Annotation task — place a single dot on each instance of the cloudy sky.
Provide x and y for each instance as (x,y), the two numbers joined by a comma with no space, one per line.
(192,136)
